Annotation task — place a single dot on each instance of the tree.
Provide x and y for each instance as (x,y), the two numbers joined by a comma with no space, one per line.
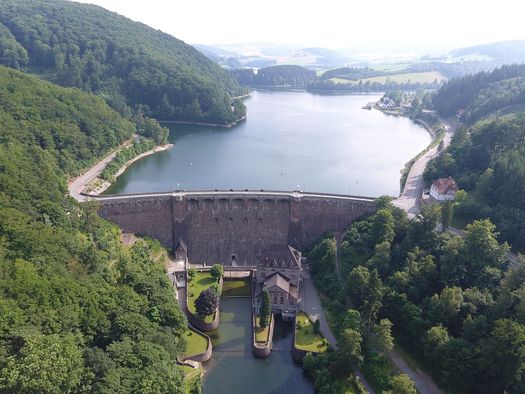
(447,211)
(401,384)
(383,335)
(44,364)
(266,309)
(350,349)
(206,303)
(192,273)
(382,228)
(482,248)
(365,291)
(217,271)
(317,325)
(380,260)
(352,319)
(504,355)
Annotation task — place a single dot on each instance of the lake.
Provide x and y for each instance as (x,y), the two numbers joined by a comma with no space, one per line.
(290,141)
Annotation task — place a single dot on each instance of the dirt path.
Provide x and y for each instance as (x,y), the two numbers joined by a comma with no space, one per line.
(422,380)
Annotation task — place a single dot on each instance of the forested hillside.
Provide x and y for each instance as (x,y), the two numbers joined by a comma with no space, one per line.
(78,311)
(487,156)
(451,302)
(127,63)
(284,75)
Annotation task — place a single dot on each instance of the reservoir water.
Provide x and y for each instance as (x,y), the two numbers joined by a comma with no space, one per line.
(234,370)
(290,141)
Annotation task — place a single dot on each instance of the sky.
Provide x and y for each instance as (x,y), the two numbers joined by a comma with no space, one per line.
(379,25)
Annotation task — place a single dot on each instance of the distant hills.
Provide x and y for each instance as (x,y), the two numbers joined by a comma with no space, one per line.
(130,64)
(263,55)
(500,52)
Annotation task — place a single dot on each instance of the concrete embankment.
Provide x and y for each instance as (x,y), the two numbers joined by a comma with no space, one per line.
(262,349)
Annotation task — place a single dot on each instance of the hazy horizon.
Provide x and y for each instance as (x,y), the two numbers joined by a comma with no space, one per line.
(386,26)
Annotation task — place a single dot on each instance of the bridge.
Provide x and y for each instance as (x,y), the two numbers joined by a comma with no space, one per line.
(233,225)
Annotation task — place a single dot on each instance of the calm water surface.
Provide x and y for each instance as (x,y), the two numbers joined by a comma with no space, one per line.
(290,141)
(234,370)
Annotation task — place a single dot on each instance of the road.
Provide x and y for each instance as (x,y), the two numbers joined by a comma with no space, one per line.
(77,185)
(311,305)
(411,195)
(246,192)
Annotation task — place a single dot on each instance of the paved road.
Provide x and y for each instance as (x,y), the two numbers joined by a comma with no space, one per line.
(78,184)
(311,305)
(411,195)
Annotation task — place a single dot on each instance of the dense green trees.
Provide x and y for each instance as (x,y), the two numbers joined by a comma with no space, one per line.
(488,158)
(322,85)
(127,63)
(452,301)
(282,75)
(78,311)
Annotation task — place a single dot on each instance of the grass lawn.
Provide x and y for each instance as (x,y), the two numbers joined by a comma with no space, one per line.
(201,282)
(305,339)
(261,334)
(195,343)
(236,288)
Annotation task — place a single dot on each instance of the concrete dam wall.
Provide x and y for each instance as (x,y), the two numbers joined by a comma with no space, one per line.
(217,226)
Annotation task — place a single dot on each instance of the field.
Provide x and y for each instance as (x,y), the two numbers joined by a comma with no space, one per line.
(201,282)
(426,77)
(305,339)
(195,343)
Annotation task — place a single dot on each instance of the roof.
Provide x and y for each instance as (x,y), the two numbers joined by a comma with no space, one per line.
(277,280)
(283,256)
(181,245)
(445,185)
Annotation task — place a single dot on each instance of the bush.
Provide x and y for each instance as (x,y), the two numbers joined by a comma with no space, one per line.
(317,325)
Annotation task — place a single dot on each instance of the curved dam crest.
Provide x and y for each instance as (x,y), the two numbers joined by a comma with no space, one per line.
(227,226)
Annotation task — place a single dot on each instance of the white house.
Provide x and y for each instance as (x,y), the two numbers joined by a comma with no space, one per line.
(444,189)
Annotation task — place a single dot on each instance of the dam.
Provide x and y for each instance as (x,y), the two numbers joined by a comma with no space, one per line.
(233,227)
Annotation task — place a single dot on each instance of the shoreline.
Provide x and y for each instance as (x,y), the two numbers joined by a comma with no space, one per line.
(103,185)
(187,122)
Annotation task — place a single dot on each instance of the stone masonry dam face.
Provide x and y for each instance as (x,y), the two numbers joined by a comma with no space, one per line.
(218,225)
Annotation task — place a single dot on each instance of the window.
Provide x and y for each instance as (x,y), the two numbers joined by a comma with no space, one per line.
(275,299)
(282,299)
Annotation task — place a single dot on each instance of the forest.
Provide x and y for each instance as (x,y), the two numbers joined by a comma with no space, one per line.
(487,154)
(127,63)
(79,312)
(452,303)
(283,75)
(328,86)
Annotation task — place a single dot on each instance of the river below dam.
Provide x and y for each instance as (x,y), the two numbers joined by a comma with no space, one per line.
(290,141)
(234,370)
